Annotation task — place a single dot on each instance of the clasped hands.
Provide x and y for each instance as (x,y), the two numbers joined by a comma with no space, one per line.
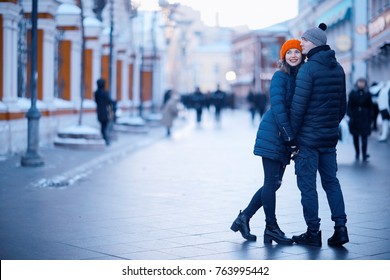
(292,146)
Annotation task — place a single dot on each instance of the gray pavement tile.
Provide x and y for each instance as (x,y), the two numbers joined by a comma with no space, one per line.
(370,248)
(188,251)
(375,225)
(93,241)
(117,249)
(376,257)
(38,249)
(321,255)
(222,246)
(191,239)
(376,234)
(157,244)
(149,255)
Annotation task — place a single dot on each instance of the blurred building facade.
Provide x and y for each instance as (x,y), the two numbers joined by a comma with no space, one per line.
(255,58)
(139,52)
(358,30)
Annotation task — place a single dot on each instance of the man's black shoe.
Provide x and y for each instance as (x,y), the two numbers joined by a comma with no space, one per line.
(339,237)
(308,238)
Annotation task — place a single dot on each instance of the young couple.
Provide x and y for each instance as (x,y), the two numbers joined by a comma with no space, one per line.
(308,101)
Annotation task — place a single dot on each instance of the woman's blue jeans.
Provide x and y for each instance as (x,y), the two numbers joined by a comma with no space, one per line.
(266,195)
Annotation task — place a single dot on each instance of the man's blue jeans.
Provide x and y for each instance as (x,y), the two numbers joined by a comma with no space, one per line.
(307,163)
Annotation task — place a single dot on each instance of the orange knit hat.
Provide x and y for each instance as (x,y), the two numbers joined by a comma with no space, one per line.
(290,44)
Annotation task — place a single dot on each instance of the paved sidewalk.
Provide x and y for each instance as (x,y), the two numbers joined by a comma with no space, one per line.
(176,199)
(64,166)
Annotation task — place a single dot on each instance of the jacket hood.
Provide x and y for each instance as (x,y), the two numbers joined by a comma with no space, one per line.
(323,55)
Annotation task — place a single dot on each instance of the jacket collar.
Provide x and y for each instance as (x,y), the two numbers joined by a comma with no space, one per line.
(317,49)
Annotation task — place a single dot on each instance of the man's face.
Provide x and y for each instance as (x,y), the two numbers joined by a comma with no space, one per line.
(307,46)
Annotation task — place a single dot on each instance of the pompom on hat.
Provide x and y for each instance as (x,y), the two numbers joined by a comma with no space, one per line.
(290,44)
(316,35)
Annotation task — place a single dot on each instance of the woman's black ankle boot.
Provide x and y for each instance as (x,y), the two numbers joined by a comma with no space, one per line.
(273,232)
(241,223)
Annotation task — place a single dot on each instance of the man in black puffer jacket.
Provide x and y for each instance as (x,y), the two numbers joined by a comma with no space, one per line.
(318,106)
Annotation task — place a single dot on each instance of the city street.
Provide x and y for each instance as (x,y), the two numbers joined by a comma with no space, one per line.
(148,197)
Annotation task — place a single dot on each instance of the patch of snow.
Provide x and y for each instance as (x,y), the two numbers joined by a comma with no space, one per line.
(154,117)
(25,103)
(88,103)
(131,128)
(92,22)
(3,107)
(79,129)
(78,141)
(63,104)
(133,121)
(68,9)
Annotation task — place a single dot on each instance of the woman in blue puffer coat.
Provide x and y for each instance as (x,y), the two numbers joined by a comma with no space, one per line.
(275,144)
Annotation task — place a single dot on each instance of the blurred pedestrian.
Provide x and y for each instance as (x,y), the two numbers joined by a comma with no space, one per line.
(198,102)
(166,97)
(250,98)
(318,106)
(374,91)
(218,99)
(275,144)
(261,103)
(170,111)
(384,110)
(104,109)
(360,114)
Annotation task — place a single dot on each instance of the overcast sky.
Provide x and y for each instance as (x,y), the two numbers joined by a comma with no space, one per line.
(253,13)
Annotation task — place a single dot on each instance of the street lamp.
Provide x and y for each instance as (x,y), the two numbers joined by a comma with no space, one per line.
(31,157)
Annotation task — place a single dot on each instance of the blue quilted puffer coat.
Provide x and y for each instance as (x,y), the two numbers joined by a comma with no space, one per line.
(274,129)
(319,102)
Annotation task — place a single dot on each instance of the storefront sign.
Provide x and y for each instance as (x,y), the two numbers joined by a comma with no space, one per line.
(379,24)
(343,43)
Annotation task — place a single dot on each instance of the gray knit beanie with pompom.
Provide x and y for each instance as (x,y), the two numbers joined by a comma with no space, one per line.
(316,35)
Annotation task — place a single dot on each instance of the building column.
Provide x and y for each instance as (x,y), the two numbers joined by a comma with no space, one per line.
(131,79)
(122,77)
(137,81)
(46,41)
(9,17)
(92,55)
(158,90)
(118,77)
(92,31)
(105,63)
(92,66)
(69,75)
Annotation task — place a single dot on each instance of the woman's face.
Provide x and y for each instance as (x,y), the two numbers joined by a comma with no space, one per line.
(293,57)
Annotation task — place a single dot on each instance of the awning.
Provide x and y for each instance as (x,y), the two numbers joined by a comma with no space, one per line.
(375,51)
(336,14)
